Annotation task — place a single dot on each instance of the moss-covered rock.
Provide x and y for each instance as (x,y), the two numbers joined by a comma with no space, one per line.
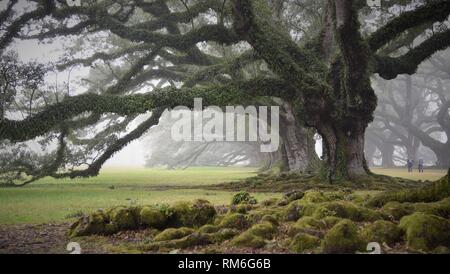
(396,210)
(95,223)
(291,196)
(298,209)
(124,218)
(347,210)
(223,235)
(173,233)
(152,216)
(303,241)
(425,231)
(330,221)
(256,215)
(208,228)
(307,225)
(382,232)
(255,236)
(265,230)
(313,196)
(195,214)
(342,238)
(248,239)
(234,220)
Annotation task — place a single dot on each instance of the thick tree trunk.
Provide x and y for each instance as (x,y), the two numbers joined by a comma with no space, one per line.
(344,152)
(443,158)
(298,143)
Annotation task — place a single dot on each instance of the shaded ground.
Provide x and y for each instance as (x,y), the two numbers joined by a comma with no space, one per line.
(47,238)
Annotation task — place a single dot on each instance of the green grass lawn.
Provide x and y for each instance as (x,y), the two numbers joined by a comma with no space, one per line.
(50,200)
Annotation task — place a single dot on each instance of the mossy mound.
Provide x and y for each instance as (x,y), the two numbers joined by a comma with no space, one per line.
(153,216)
(124,218)
(291,196)
(223,235)
(342,238)
(303,242)
(396,210)
(347,210)
(425,231)
(182,214)
(313,196)
(208,228)
(264,230)
(298,209)
(306,224)
(255,236)
(256,215)
(382,232)
(173,233)
(248,240)
(96,223)
(435,192)
(234,220)
(192,214)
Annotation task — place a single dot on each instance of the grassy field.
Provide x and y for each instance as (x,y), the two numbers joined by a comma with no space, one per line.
(50,200)
(429,174)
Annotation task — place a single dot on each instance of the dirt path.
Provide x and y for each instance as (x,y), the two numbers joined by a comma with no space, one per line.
(28,239)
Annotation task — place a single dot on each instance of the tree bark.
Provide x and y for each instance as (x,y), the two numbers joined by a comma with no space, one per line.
(443,159)
(298,143)
(344,152)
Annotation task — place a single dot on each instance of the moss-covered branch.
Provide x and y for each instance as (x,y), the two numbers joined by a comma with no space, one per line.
(390,67)
(436,11)
(45,8)
(118,145)
(46,120)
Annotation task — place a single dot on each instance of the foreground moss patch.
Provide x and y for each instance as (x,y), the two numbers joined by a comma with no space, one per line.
(343,238)
(425,231)
(301,222)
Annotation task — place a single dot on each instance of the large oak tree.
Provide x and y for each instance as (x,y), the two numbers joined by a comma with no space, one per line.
(326,77)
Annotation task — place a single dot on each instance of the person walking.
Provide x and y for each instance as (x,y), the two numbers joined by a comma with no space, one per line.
(420,165)
(409,163)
